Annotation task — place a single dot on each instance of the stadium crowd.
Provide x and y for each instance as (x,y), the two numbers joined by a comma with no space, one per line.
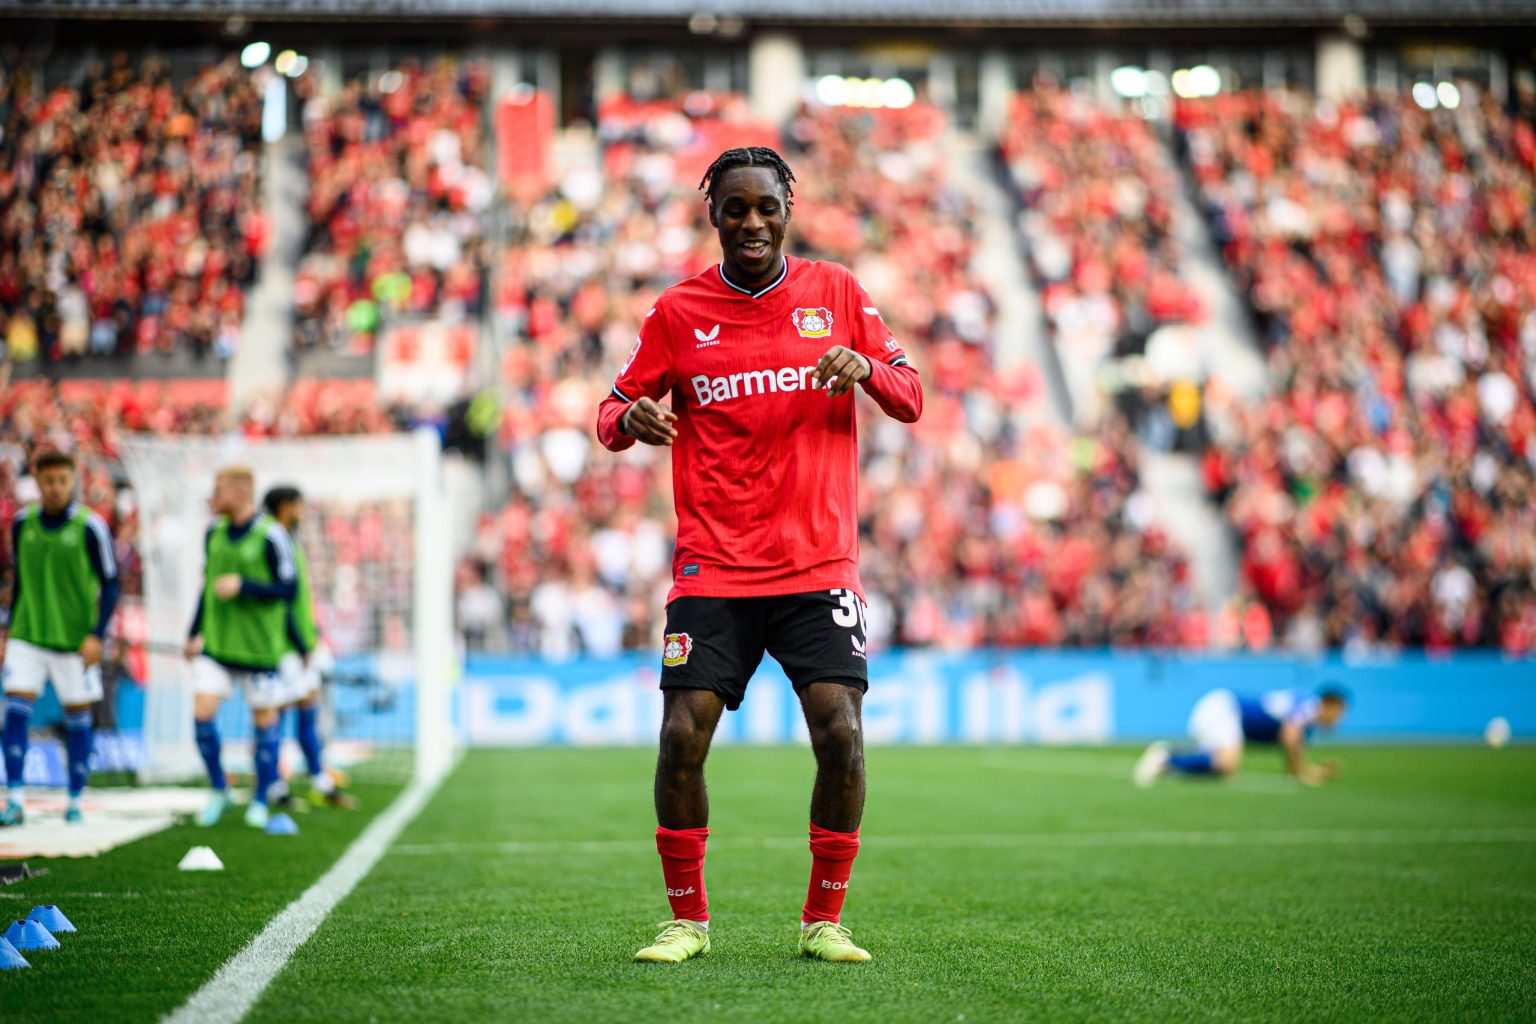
(1096,192)
(1386,492)
(130,217)
(980,524)
(397,203)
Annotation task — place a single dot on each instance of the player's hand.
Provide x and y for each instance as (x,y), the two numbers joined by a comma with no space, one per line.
(1312,775)
(840,369)
(227,586)
(1329,769)
(194,647)
(650,422)
(90,650)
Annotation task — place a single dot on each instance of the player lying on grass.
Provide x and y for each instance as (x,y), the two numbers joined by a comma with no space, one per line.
(239,634)
(62,598)
(1223,721)
(300,666)
(760,355)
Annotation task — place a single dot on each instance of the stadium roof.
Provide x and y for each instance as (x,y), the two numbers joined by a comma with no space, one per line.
(1016,12)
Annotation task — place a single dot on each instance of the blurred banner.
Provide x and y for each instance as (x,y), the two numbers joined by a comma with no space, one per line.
(525,136)
(426,363)
(1002,697)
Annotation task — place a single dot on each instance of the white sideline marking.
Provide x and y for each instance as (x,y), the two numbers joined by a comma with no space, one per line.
(1218,837)
(229,995)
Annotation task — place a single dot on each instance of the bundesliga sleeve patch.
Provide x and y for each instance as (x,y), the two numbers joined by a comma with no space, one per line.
(812,323)
(676,649)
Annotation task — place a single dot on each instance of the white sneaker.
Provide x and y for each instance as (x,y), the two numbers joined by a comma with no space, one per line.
(218,801)
(257,815)
(1150,765)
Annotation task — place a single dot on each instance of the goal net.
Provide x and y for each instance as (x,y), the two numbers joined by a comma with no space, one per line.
(376,537)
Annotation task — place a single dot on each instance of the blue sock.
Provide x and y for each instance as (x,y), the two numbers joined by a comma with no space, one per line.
(309,738)
(18,712)
(77,745)
(268,739)
(209,746)
(1192,764)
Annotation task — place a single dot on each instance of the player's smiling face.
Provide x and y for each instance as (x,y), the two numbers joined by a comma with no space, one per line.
(750,211)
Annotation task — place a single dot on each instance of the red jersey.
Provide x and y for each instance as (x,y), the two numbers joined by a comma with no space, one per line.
(765,463)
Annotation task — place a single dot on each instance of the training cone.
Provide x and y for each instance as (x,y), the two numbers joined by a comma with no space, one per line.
(52,918)
(201,858)
(10,957)
(25,935)
(282,825)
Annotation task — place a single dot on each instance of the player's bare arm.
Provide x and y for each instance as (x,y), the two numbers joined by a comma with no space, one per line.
(1293,743)
(840,369)
(650,422)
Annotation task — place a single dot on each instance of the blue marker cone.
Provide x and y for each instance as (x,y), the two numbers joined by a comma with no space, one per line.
(26,935)
(10,959)
(52,918)
(282,825)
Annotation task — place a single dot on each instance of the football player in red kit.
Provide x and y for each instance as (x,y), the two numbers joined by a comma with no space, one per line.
(760,356)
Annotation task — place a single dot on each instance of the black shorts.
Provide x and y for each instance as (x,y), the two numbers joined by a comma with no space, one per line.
(716,643)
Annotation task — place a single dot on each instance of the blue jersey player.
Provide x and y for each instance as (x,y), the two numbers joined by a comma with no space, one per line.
(1223,722)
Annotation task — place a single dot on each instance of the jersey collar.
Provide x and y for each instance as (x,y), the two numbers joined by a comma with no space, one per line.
(759,292)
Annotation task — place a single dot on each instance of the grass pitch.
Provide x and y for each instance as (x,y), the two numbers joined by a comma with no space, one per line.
(995,884)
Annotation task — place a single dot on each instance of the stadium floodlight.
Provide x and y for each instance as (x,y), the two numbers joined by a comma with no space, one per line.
(1129,82)
(897,94)
(1199,81)
(1205,79)
(390,82)
(1155,83)
(832,90)
(285,62)
(1448,95)
(1424,95)
(255,54)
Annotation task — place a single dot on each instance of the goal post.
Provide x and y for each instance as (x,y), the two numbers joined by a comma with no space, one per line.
(377,538)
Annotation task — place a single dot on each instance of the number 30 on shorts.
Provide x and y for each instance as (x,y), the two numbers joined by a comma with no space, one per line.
(850,610)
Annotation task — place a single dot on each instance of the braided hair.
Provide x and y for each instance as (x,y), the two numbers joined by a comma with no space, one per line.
(748,156)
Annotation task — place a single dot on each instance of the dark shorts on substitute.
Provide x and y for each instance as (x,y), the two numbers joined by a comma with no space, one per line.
(716,643)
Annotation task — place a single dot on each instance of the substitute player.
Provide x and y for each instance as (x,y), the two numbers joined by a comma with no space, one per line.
(760,355)
(62,598)
(240,632)
(1222,722)
(300,665)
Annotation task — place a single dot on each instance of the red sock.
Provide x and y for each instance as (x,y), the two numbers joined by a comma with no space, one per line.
(832,856)
(682,865)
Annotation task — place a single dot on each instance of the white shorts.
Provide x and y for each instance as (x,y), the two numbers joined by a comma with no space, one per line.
(263,690)
(300,681)
(28,667)
(1216,721)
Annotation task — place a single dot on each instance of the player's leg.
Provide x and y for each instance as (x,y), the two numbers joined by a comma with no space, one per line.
(322,788)
(819,639)
(26,672)
(80,690)
(689,718)
(710,649)
(210,686)
(266,695)
(1216,727)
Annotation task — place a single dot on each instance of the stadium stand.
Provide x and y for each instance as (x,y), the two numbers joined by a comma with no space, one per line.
(130,217)
(397,203)
(1389,255)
